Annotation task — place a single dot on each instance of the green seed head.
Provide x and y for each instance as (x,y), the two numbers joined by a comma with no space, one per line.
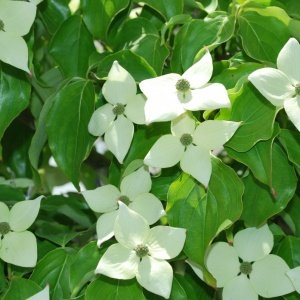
(4,228)
(141,250)
(186,139)
(182,85)
(124,199)
(1,25)
(246,268)
(118,109)
(297,89)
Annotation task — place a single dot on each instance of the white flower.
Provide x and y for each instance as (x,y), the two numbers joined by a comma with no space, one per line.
(134,191)
(282,86)
(294,275)
(42,295)
(170,95)
(16,18)
(191,145)
(115,118)
(17,245)
(247,269)
(141,252)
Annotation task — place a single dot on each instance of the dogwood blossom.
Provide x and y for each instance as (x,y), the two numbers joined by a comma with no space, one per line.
(191,145)
(134,191)
(282,86)
(16,18)
(247,269)
(18,245)
(141,252)
(170,95)
(294,275)
(42,295)
(115,119)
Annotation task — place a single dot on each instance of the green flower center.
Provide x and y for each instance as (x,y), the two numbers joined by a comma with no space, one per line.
(246,268)
(1,25)
(118,109)
(141,250)
(124,199)
(297,89)
(186,139)
(4,228)
(182,85)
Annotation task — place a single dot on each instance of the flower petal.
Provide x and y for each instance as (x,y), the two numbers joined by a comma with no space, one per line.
(272,84)
(102,199)
(239,288)
(19,248)
(211,96)
(14,51)
(156,276)
(288,60)
(166,242)
(154,87)
(294,276)
(118,262)
(17,16)
(4,212)
(136,183)
(213,134)
(223,263)
(196,161)
(292,108)
(183,124)
(131,229)
(105,226)
(42,295)
(118,137)
(24,213)
(165,153)
(101,119)
(148,206)
(268,277)
(200,72)
(120,86)
(253,243)
(135,109)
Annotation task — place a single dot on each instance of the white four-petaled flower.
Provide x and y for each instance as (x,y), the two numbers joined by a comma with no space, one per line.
(16,18)
(134,191)
(191,145)
(18,245)
(282,86)
(141,252)
(170,95)
(115,119)
(247,269)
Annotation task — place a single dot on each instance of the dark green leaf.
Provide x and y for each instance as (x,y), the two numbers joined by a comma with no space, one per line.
(289,250)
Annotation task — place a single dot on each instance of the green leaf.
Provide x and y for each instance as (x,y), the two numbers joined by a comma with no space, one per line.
(136,65)
(14,95)
(293,210)
(260,199)
(9,193)
(289,250)
(292,7)
(53,269)
(87,258)
(110,289)
(257,116)
(21,289)
(99,14)
(205,215)
(262,36)
(167,8)
(291,143)
(74,35)
(67,127)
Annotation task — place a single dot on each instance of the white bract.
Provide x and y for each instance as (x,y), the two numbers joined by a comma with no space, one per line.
(42,295)
(16,18)
(134,191)
(282,86)
(191,145)
(141,252)
(115,119)
(294,275)
(170,95)
(247,269)
(18,245)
